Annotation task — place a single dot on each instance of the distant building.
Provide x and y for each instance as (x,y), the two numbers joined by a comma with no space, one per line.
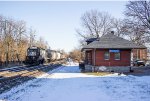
(111,50)
(140,54)
(148,53)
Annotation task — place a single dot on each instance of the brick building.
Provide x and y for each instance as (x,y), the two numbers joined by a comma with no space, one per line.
(140,54)
(110,50)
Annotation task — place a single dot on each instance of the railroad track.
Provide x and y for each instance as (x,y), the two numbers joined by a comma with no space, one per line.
(15,76)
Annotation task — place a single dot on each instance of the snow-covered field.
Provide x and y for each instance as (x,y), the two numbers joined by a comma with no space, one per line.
(66,83)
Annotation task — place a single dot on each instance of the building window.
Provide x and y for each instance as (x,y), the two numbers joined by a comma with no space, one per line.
(117,56)
(106,55)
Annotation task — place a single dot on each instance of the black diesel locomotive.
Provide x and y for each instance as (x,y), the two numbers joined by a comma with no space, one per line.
(37,55)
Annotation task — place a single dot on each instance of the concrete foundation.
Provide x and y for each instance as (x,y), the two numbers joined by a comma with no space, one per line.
(120,69)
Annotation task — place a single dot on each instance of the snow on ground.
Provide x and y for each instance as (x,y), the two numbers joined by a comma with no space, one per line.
(66,83)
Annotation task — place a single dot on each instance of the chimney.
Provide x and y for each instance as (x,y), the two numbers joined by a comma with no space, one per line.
(97,36)
(112,32)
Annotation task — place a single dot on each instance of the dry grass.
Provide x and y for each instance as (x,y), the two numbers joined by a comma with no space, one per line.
(98,73)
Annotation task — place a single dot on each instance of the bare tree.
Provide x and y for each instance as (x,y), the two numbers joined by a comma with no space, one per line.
(42,43)
(118,27)
(139,10)
(76,55)
(136,32)
(94,24)
(8,38)
(15,38)
(20,27)
(137,22)
(32,37)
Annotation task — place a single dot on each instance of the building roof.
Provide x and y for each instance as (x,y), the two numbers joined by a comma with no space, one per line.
(111,41)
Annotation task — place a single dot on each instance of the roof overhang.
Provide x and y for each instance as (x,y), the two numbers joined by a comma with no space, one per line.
(86,49)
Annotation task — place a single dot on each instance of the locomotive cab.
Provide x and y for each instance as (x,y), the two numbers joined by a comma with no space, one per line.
(34,56)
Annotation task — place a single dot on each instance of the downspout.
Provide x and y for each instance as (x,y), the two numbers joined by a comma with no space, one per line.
(94,59)
(137,57)
(131,57)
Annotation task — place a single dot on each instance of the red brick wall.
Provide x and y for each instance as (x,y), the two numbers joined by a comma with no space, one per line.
(124,58)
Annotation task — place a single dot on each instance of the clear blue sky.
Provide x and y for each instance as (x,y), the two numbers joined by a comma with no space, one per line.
(56,21)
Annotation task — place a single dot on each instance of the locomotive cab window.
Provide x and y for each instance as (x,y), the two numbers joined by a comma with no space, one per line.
(32,52)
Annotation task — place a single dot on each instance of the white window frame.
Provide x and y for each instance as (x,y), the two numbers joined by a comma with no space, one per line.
(108,55)
(119,56)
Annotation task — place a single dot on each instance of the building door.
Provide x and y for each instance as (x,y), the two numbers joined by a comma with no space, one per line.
(89,58)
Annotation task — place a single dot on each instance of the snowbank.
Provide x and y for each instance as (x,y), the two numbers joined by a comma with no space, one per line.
(68,84)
